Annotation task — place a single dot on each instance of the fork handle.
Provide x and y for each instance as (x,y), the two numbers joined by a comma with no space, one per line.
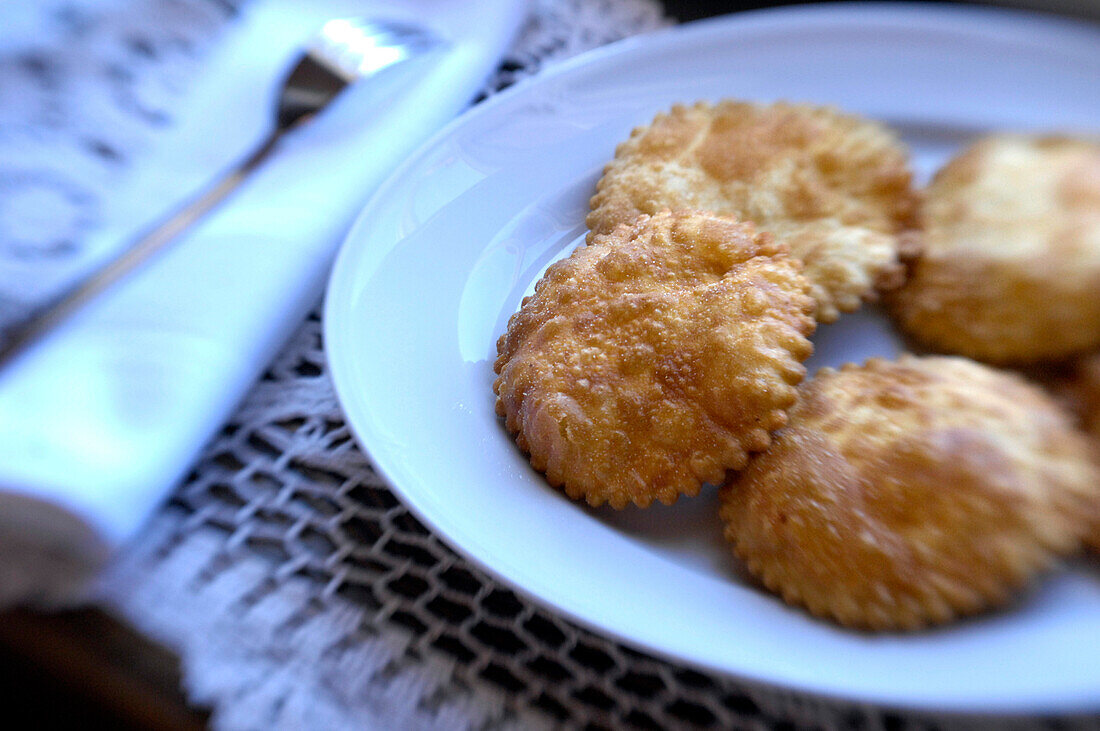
(43,318)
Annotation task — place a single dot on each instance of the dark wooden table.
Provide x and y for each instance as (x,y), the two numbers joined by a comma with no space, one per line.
(86,669)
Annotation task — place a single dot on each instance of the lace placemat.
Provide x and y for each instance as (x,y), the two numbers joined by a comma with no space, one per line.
(85,89)
(298,590)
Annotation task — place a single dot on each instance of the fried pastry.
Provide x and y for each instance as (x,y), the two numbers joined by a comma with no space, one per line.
(1086,400)
(903,494)
(1077,384)
(655,358)
(1010,268)
(833,187)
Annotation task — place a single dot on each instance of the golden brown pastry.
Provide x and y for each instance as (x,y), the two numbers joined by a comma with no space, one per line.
(833,187)
(1077,385)
(655,358)
(903,494)
(1010,269)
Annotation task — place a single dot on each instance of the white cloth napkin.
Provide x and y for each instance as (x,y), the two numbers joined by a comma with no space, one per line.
(100,420)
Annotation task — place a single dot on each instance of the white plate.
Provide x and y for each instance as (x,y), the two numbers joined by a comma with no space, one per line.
(443,253)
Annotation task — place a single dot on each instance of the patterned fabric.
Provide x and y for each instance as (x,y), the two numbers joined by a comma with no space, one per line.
(94,89)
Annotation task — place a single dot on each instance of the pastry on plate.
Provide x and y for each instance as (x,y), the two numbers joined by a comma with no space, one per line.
(655,358)
(1077,384)
(834,187)
(1010,264)
(905,494)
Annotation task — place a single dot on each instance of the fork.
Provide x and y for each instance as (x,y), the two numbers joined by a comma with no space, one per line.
(344,51)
